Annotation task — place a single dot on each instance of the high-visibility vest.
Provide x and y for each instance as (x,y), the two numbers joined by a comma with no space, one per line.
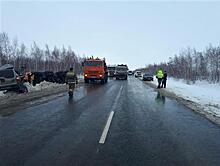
(160,74)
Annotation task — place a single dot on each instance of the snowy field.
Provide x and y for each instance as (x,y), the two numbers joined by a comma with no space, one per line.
(203,93)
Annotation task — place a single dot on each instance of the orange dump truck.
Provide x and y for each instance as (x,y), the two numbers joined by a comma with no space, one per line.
(95,69)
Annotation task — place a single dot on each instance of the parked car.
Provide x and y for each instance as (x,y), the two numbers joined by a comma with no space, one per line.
(137,74)
(148,77)
(9,79)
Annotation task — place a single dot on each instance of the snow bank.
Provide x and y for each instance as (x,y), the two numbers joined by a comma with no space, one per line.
(2,94)
(43,85)
(205,94)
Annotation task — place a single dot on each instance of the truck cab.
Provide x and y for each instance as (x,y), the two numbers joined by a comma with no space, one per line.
(111,71)
(95,69)
(121,72)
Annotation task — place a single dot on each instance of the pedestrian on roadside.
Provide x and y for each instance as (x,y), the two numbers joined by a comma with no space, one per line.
(164,80)
(159,77)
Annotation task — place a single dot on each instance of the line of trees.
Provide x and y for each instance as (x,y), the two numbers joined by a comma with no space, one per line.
(192,65)
(36,58)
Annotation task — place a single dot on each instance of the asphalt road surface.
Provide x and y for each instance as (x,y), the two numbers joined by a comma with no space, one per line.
(119,123)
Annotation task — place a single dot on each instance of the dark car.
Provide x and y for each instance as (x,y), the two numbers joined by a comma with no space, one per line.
(148,77)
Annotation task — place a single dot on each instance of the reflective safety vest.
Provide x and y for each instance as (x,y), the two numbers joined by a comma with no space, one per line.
(70,76)
(160,74)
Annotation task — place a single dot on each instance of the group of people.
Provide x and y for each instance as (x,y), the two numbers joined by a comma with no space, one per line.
(162,78)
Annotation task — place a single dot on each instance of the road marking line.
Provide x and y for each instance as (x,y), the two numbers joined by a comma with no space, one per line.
(107,126)
(105,131)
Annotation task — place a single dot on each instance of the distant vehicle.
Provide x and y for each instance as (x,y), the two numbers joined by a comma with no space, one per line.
(137,74)
(9,79)
(130,72)
(111,71)
(148,77)
(121,72)
(95,69)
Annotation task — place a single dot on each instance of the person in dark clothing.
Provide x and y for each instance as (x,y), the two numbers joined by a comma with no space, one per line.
(164,80)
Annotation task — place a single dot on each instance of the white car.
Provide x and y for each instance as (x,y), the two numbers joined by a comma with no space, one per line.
(137,74)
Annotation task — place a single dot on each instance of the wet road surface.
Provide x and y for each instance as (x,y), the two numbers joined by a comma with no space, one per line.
(145,129)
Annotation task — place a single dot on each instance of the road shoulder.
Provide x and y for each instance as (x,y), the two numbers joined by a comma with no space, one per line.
(16,99)
(188,103)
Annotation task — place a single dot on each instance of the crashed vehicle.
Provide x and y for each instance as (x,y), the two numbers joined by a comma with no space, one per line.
(10,80)
(60,77)
(38,77)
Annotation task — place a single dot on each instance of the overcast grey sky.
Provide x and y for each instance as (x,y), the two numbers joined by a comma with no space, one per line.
(136,33)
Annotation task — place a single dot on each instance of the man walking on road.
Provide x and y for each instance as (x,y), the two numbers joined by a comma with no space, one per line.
(159,77)
(71,80)
(164,80)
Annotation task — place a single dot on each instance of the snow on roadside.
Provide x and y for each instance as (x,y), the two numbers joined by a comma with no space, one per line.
(2,94)
(43,85)
(203,93)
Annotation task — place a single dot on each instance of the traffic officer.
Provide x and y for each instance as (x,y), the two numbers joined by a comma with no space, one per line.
(159,77)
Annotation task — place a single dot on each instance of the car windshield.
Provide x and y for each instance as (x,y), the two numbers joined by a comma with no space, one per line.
(93,63)
(6,73)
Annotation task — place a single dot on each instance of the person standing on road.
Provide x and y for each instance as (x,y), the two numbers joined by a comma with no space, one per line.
(164,80)
(71,76)
(159,77)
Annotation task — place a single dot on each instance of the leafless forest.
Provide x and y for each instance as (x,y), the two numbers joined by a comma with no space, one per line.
(36,58)
(192,65)
(189,64)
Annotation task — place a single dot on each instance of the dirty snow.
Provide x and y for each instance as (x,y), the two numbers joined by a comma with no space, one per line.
(2,94)
(43,85)
(203,93)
